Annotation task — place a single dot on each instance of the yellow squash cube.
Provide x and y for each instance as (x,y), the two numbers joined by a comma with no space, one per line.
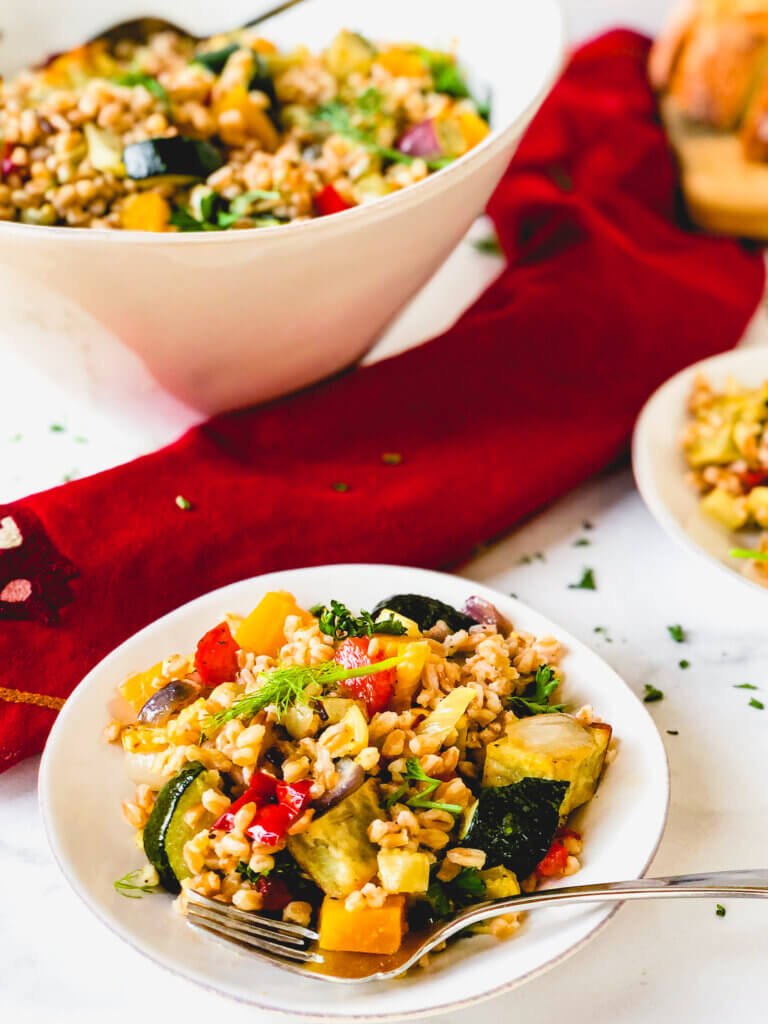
(365,929)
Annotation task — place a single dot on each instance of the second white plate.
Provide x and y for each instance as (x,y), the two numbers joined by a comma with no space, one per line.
(660,468)
(82,783)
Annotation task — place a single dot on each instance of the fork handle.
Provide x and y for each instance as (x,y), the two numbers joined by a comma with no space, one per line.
(750,884)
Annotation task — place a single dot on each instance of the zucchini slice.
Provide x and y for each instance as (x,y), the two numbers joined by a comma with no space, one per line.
(177,156)
(166,832)
(215,60)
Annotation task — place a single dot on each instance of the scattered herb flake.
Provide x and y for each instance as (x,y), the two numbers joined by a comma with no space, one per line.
(746,686)
(757,556)
(652,694)
(72,475)
(755,703)
(525,560)
(182,502)
(57,428)
(340,486)
(587,581)
(540,556)
(16,437)
(684,663)
(137,882)
(586,525)
(536,701)
(391,458)
(79,439)
(672,732)
(582,542)
(720,910)
(489,245)
(677,633)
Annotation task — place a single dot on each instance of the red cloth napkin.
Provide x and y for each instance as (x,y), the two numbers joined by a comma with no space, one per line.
(533,390)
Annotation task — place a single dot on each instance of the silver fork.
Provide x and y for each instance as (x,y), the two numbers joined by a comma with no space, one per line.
(295,948)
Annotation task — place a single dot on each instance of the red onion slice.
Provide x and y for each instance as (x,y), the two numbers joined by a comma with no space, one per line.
(421,140)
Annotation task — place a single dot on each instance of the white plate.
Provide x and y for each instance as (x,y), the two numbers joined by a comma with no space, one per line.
(82,783)
(660,468)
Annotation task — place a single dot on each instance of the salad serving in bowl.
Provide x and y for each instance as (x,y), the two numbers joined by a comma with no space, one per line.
(379,126)
(367,774)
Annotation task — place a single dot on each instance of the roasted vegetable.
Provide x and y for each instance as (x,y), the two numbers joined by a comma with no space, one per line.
(263,631)
(365,929)
(167,831)
(376,689)
(216,656)
(335,850)
(351,777)
(554,747)
(104,149)
(516,824)
(215,60)
(178,157)
(500,883)
(145,211)
(167,701)
(138,688)
(404,870)
(425,611)
(447,714)
(729,509)
(349,53)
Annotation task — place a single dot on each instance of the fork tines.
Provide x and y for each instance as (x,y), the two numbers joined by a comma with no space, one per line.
(280,938)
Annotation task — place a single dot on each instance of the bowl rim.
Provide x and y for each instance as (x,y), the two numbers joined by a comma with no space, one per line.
(402,200)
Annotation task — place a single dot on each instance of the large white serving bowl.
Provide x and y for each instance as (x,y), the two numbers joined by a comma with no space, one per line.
(660,468)
(83,781)
(226,319)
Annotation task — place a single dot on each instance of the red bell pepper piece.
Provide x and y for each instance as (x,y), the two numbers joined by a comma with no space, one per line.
(328,200)
(294,795)
(752,477)
(270,825)
(555,861)
(261,791)
(216,656)
(375,690)
(274,893)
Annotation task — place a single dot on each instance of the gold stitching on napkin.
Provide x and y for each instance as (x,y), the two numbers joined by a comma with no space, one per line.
(41,699)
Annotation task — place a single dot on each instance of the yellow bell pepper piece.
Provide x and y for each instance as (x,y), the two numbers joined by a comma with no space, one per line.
(401,63)
(255,122)
(448,712)
(364,929)
(145,211)
(143,739)
(138,688)
(413,658)
(261,45)
(473,128)
(263,631)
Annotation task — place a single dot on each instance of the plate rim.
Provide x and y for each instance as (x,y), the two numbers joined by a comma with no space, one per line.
(569,641)
(642,468)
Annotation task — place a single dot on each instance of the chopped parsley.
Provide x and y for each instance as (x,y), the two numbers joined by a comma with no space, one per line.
(672,732)
(582,542)
(340,486)
(746,686)
(684,663)
(755,703)
(587,581)
(720,910)
(535,701)
(586,525)
(57,428)
(339,622)
(79,439)
(17,437)
(247,872)
(391,458)
(652,694)
(182,502)
(489,245)
(604,631)
(469,884)
(420,799)
(677,633)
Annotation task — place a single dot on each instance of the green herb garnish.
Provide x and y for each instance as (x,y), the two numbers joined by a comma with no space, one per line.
(469,884)
(150,83)
(135,883)
(652,694)
(391,458)
(414,772)
(247,872)
(746,686)
(587,581)
(489,245)
(673,732)
(756,556)
(286,687)
(338,622)
(182,502)
(677,633)
(340,486)
(720,910)
(582,542)
(755,703)
(537,701)
(57,428)
(337,119)
(684,663)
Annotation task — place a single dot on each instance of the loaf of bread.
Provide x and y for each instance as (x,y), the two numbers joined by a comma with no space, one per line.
(710,67)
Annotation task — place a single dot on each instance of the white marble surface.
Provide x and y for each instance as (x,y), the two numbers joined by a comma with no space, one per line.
(659,962)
